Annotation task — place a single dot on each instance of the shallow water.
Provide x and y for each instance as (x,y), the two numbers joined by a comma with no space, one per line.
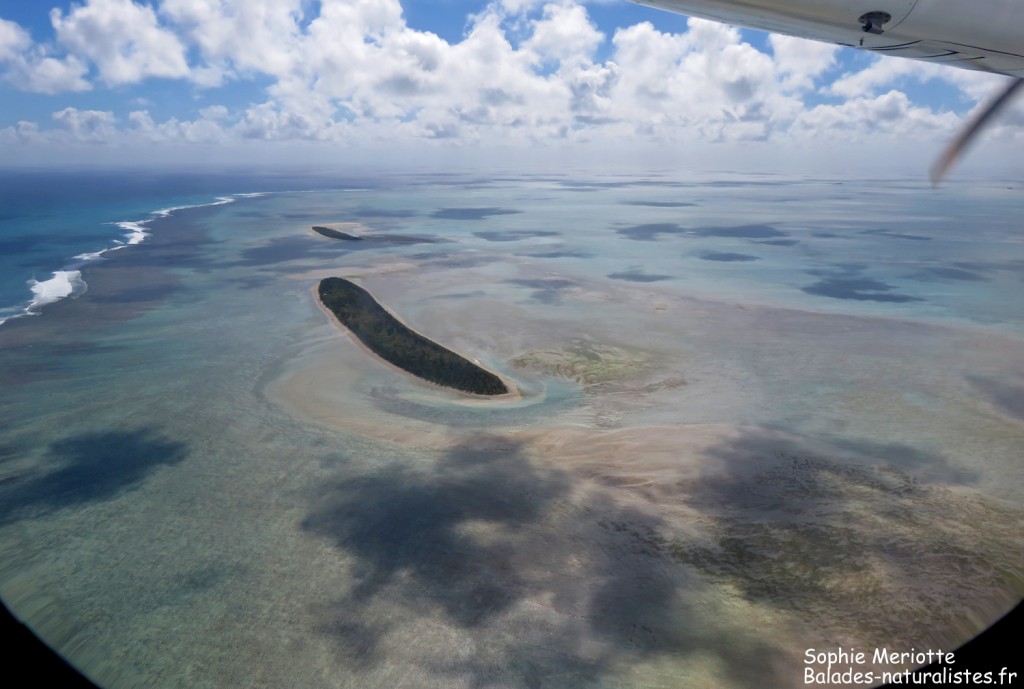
(759,415)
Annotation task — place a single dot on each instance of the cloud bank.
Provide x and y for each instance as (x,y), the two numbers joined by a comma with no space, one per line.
(354,73)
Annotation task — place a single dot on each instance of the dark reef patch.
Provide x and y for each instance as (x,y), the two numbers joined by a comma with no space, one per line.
(639,276)
(160,287)
(1006,395)
(802,531)
(403,239)
(369,212)
(475,294)
(651,231)
(454,259)
(300,247)
(948,273)
(589,185)
(546,291)
(485,537)
(934,467)
(284,249)
(485,529)
(514,235)
(741,232)
(857,289)
(728,184)
(471,213)
(897,235)
(558,254)
(660,204)
(779,242)
(727,257)
(838,270)
(400,522)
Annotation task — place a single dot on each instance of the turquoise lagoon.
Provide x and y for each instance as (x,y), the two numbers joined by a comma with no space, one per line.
(758,414)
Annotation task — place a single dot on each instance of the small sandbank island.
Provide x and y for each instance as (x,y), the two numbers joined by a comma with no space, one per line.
(393,341)
(331,233)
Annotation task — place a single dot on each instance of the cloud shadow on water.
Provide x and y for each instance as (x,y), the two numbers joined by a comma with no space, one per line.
(741,232)
(486,530)
(402,523)
(92,467)
(660,204)
(854,537)
(546,291)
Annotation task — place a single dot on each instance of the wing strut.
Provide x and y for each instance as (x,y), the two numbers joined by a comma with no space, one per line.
(957,146)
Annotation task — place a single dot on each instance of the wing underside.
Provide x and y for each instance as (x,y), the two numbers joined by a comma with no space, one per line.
(986,35)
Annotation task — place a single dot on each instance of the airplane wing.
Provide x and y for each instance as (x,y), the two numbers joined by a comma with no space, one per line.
(985,35)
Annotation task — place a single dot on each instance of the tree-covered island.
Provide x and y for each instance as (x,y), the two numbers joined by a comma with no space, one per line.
(392,341)
(331,233)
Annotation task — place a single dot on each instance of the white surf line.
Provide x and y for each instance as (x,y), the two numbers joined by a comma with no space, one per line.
(68,281)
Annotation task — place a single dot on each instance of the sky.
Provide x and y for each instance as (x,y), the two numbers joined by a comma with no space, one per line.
(604,81)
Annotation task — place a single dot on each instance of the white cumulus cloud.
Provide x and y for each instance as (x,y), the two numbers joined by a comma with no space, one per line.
(564,34)
(28,66)
(239,38)
(87,125)
(801,61)
(123,39)
(353,73)
(891,113)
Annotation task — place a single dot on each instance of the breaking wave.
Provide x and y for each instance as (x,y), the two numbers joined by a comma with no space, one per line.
(68,282)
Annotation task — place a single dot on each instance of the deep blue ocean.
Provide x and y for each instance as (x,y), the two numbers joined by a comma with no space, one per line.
(54,223)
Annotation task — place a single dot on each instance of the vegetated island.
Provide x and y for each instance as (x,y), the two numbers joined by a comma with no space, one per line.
(391,340)
(335,234)
(332,233)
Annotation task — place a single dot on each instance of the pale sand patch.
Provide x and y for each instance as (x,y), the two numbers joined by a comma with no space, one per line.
(328,394)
